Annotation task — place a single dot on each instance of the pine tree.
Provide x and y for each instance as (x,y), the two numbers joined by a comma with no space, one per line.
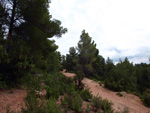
(28,27)
(87,53)
(71,60)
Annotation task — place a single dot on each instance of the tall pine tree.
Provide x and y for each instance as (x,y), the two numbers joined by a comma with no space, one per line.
(87,53)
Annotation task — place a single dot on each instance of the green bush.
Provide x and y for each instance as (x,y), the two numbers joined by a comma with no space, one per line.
(110,83)
(146,97)
(52,107)
(126,110)
(53,92)
(96,103)
(31,103)
(119,94)
(78,80)
(72,102)
(86,94)
(34,106)
(87,110)
(77,103)
(101,104)
(3,85)
(106,106)
(55,85)
(58,84)
(32,82)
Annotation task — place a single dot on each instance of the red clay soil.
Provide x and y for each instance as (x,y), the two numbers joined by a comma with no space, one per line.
(132,102)
(13,98)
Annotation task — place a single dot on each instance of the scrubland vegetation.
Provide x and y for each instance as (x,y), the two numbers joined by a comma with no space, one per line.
(29,59)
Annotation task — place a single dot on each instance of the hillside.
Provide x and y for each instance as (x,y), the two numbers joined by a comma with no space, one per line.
(131,101)
(15,98)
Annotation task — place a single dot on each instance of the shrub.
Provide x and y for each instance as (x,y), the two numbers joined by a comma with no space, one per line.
(8,108)
(119,94)
(53,92)
(86,94)
(78,80)
(96,103)
(72,102)
(3,85)
(146,97)
(87,110)
(32,82)
(55,85)
(106,106)
(126,110)
(77,103)
(52,107)
(31,103)
(101,104)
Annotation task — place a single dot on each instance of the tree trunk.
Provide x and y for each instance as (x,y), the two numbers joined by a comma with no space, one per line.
(12,20)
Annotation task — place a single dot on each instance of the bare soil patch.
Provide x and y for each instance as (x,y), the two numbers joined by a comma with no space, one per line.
(13,98)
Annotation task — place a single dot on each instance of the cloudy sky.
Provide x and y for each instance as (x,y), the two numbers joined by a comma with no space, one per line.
(120,28)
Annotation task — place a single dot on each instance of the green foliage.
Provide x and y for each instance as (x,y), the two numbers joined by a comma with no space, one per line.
(32,82)
(101,104)
(8,109)
(87,110)
(143,77)
(31,103)
(3,85)
(106,106)
(58,84)
(96,102)
(87,53)
(146,97)
(15,63)
(52,107)
(26,45)
(72,102)
(85,58)
(121,77)
(54,62)
(119,94)
(71,60)
(34,106)
(109,66)
(85,94)
(126,110)
(78,79)
(55,85)
(99,67)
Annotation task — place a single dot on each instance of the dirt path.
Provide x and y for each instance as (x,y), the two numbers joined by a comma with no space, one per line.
(131,101)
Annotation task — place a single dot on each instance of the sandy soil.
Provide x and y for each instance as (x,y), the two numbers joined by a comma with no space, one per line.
(13,98)
(131,101)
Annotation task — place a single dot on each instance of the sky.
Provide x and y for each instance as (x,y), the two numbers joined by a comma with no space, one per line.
(120,28)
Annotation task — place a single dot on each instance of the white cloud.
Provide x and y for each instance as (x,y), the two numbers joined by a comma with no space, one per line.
(118,24)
